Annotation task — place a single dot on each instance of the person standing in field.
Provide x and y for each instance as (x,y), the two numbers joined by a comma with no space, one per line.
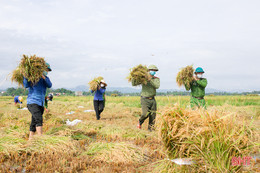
(18,99)
(35,101)
(99,98)
(197,88)
(148,102)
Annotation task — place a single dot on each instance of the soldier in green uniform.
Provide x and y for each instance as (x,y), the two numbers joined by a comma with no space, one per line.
(148,101)
(197,88)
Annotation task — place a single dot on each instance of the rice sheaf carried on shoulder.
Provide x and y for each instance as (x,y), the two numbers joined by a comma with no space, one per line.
(139,74)
(185,76)
(93,84)
(30,67)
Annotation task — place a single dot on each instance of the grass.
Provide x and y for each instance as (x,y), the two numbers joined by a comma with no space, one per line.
(211,137)
(113,144)
(116,152)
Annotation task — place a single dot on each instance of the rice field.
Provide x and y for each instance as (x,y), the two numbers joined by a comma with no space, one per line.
(114,144)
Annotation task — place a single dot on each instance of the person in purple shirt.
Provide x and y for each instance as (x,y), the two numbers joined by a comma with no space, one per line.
(35,101)
(99,98)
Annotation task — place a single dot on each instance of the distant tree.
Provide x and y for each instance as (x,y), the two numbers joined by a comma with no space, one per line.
(14,92)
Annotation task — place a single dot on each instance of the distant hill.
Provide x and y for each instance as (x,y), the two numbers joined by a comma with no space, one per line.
(120,89)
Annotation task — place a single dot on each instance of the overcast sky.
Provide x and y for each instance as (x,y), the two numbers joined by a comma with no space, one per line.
(82,39)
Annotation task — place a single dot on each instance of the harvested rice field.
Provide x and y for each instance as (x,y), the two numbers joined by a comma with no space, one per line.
(209,140)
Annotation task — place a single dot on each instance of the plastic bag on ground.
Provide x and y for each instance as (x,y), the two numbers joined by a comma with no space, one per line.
(183,161)
(69,113)
(88,110)
(73,123)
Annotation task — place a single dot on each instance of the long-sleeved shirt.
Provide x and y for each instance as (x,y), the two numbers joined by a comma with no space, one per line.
(37,92)
(99,94)
(16,99)
(149,90)
(198,87)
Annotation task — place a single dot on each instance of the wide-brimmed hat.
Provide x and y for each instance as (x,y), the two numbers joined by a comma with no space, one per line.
(153,67)
(102,81)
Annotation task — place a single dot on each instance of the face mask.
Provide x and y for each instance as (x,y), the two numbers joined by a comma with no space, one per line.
(102,85)
(199,75)
(45,73)
(152,73)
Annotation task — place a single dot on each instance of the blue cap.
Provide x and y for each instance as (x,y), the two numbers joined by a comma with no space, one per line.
(199,70)
(48,66)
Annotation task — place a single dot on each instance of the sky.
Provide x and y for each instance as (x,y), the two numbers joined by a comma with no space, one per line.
(83,39)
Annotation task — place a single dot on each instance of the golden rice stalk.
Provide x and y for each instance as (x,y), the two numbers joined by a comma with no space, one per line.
(185,76)
(31,68)
(119,153)
(139,74)
(16,76)
(205,136)
(93,85)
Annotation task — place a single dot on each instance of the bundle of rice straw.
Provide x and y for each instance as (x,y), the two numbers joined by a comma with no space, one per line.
(17,76)
(211,137)
(93,85)
(185,76)
(139,74)
(31,68)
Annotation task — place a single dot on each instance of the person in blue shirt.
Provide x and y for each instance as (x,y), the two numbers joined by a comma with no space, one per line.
(35,101)
(99,98)
(18,99)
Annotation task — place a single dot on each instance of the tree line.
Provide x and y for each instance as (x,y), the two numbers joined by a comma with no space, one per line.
(62,91)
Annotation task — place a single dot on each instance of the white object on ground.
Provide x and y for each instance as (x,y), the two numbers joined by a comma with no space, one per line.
(23,109)
(182,161)
(88,110)
(71,112)
(80,106)
(72,123)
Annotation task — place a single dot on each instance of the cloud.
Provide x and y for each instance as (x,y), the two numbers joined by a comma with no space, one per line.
(83,39)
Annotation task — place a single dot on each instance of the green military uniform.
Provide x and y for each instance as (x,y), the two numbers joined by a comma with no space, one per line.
(148,101)
(197,92)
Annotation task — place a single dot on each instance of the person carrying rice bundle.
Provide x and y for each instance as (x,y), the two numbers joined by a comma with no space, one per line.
(148,102)
(35,100)
(93,84)
(99,98)
(197,87)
